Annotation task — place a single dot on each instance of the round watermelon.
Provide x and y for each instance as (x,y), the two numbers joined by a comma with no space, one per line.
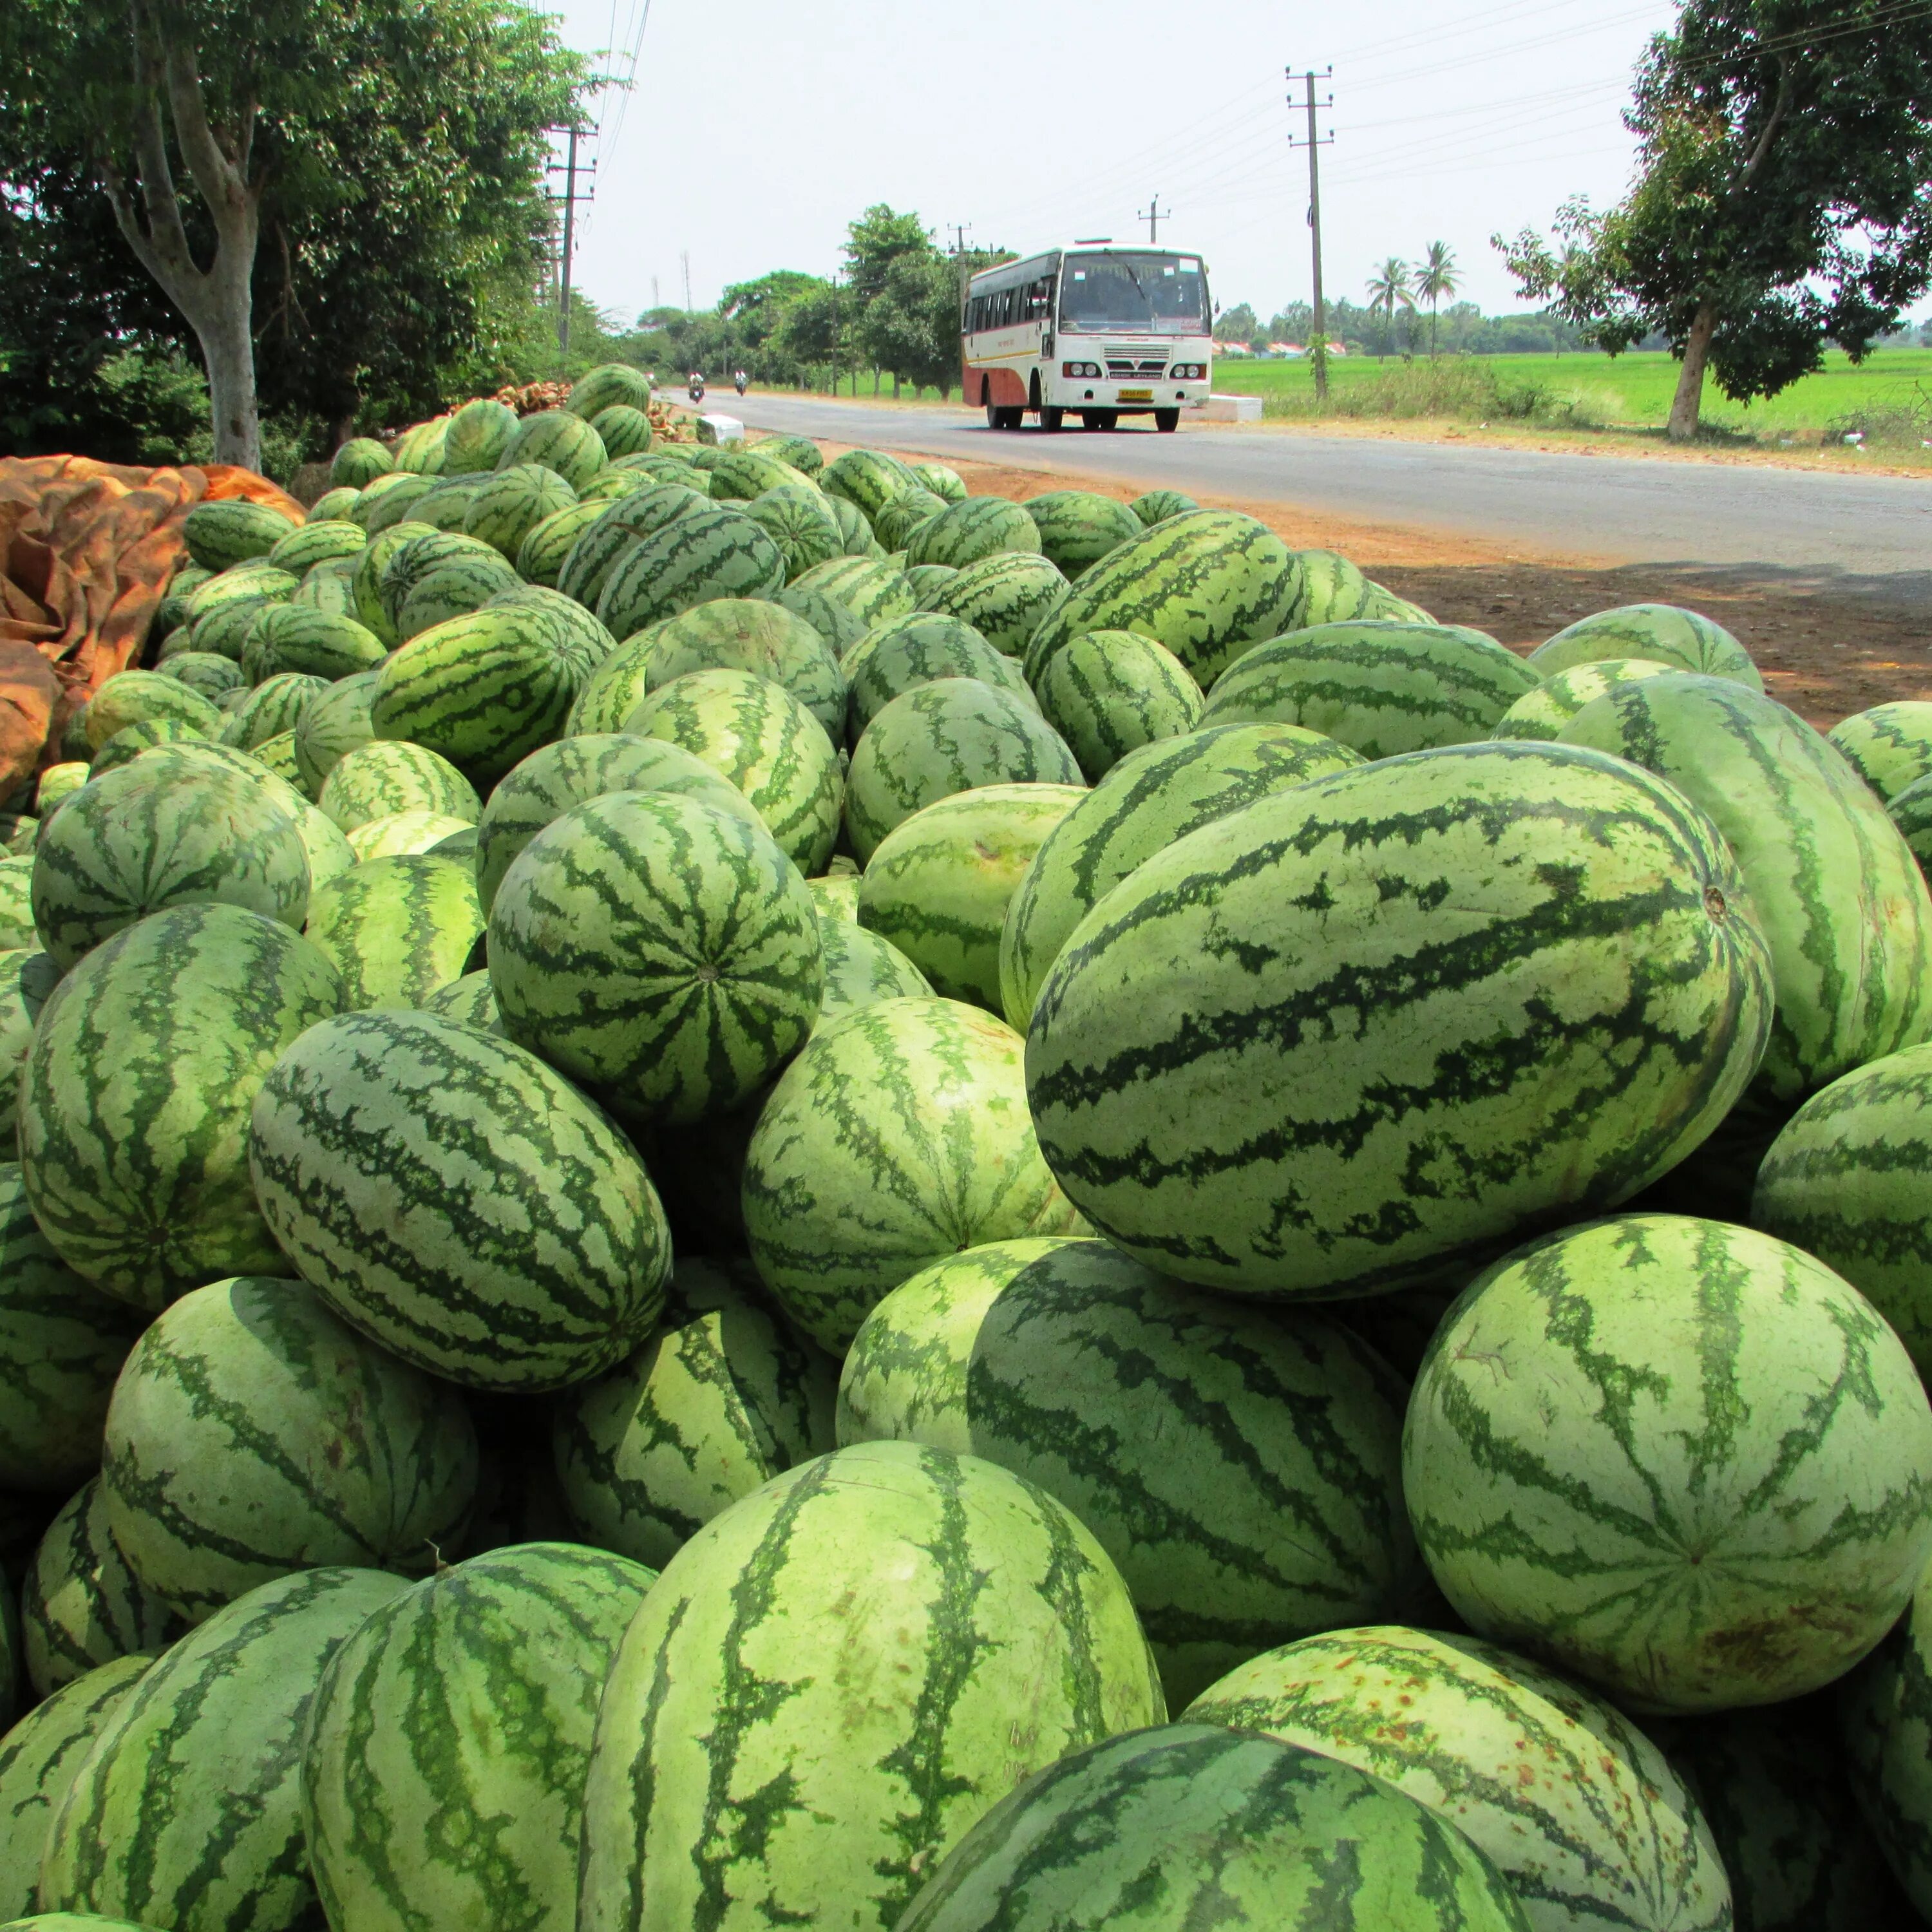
(861,968)
(558,440)
(476,437)
(1677,637)
(1109,692)
(135,696)
(800,520)
(739,633)
(1078,527)
(905,652)
(1004,597)
(1891,745)
(378,777)
(978,527)
(359,462)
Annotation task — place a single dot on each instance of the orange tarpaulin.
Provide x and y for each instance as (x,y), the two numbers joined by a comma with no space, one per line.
(86,552)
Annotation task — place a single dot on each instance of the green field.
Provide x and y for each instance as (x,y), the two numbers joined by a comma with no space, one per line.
(1888,397)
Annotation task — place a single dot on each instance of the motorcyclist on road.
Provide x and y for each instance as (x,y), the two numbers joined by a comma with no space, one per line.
(741,379)
(697,384)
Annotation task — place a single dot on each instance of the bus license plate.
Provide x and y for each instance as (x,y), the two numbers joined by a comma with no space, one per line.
(1136,395)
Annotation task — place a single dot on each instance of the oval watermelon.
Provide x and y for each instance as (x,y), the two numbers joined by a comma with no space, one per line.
(1078,527)
(903,653)
(1891,745)
(476,437)
(1543,712)
(707,552)
(1004,597)
(383,775)
(979,527)
(1109,692)
(1675,636)
(739,633)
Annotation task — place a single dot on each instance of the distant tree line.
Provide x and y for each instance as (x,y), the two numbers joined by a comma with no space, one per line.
(1462,329)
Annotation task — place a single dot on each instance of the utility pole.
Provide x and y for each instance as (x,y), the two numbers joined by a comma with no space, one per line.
(684,257)
(1154,215)
(569,168)
(1318,347)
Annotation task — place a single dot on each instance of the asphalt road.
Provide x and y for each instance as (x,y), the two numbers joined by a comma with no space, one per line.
(1851,534)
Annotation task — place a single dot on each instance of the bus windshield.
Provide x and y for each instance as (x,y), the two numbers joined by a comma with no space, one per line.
(1134,288)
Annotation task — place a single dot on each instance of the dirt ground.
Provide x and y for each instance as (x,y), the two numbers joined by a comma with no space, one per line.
(1825,653)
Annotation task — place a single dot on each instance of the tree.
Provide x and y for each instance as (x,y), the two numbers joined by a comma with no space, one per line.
(1238,324)
(1785,151)
(1388,287)
(1437,280)
(911,328)
(874,242)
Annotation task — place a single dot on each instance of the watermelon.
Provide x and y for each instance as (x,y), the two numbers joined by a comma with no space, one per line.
(741,473)
(451,588)
(82,1606)
(329,586)
(399,567)
(621,524)
(558,440)
(255,579)
(1543,712)
(59,782)
(900,519)
(507,506)
(1674,637)
(173,609)
(1650,1496)
(988,1629)
(124,747)
(540,556)
(1206,585)
(1885,1711)
(25,975)
(938,884)
(277,755)
(137,697)
(1190,1826)
(663,952)
(835,894)
(186,1812)
(359,462)
(723,1397)
(368,608)
(423,447)
(1078,527)
(1832,883)
(445,507)
(336,502)
(354,1457)
(1257,1500)
(755,734)
(1380,687)
(389,775)
(387,500)
(740,634)
(1581,1813)
(396,928)
(899,1135)
(951,736)
(274,706)
(62,1344)
(800,519)
(318,541)
(905,652)
(841,627)
(223,630)
(871,590)
(1109,692)
(1332,591)
(708,552)
(607,386)
(942,480)
(855,527)
(623,428)
(477,436)
(336,724)
(38,1758)
(218,534)
(16,907)
(1156,506)
(861,969)
(1336,965)
(1890,745)
(290,638)
(926,579)
(800,452)
(1911,811)
(453,1199)
(582,640)
(608,484)
(494,1667)
(399,835)
(867,477)
(469,1000)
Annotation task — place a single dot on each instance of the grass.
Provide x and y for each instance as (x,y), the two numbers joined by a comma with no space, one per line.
(1887,398)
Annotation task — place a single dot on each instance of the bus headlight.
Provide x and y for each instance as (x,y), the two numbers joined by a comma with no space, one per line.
(1188,372)
(1077,369)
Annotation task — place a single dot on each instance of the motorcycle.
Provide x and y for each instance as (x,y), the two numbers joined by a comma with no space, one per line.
(741,379)
(697,387)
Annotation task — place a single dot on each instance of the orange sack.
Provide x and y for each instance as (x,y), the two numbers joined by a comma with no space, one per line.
(87,551)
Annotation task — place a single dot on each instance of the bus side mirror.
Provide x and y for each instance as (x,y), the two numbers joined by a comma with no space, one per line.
(1217,308)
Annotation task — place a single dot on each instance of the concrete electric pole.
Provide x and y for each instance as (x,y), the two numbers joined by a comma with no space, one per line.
(1317,346)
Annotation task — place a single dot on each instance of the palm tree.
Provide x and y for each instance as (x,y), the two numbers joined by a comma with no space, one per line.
(1386,287)
(1438,279)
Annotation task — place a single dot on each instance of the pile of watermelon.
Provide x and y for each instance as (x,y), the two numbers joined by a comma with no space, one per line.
(746,1192)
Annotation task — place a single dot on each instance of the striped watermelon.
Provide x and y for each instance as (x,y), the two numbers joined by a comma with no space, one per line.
(38,1758)
(721,1399)
(372,780)
(232,530)
(870,589)
(468,1001)
(1662,632)
(855,527)
(62,1344)
(951,736)
(558,440)
(623,523)
(1542,712)
(124,747)
(1911,812)
(255,579)
(839,626)
(1078,527)
(1189,1825)
(186,1812)
(1847,1180)
(1581,1813)
(938,884)
(367,607)
(623,428)
(328,852)
(1832,885)
(1885,1711)
(359,462)
(899,1135)
(980,526)
(583,641)
(82,1606)
(742,472)
(1332,591)
(709,552)
(402,566)
(835,894)
(800,452)
(137,697)
(452,588)
(401,834)
(607,386)
(290,638)
(337,502)
(423,447)
(274,706)
(617,481)
(737,1780)
(453,1198)
(740,634)
(396,928)
(1566,902)
(1157,505)
(1109,692)
(57,782)
(134,1106)
(26,975)
(799,518)
(477,436)
(328,587)
(572,772)
(336,724)
(473,1695)
(1257,1500)
(1891,745)
(867,477)
(353,1456)
(317,541)
(861,969)
(756,735)
(540,556)
(1380,687)
(1205,585)
(223,630)
(620,684)
(1731,1532)
(445,507)
(388,500)
(661,952)
(902,519)
(926,579)
(16,903)
(905,652)
(507,506)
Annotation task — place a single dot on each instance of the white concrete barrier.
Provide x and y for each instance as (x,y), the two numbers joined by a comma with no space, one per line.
(720,429)
(1232,409)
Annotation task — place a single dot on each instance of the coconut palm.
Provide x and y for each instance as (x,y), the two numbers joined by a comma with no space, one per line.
(1437,280)
(1388,286)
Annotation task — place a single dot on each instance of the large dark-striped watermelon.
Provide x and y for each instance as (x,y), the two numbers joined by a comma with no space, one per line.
(541,556)
(1004,597)
(800,519)
(452,1197)
(477,435)
(764,638)
(318,541)
(661,952)
(559,440)
(1663,631)
(868,589)
(1242,1468)
(297,637)
(1186,1826)
(134,1106)
(1542,712)
(137,697)
(1338,966)
(905,652)
(624,428)
(335,724)
(1650,1493)
(899,1135)
(391,775)
(1078,527)
(231,531)
(507,506)
(609,385)
(990,1633)
(1109,692)
(980,526)
(465,1707)
(869,477)
(1890,745)
(625,522)
(709,552)
(274,706)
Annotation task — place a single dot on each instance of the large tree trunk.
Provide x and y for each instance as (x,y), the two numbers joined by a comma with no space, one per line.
(1685,405)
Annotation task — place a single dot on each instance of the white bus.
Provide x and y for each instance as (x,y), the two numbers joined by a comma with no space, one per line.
(1102,331)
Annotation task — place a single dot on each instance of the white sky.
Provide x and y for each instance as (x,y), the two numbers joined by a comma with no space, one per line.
(758,128)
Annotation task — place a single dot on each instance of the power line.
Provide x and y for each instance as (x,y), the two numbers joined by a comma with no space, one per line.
(1318,344)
